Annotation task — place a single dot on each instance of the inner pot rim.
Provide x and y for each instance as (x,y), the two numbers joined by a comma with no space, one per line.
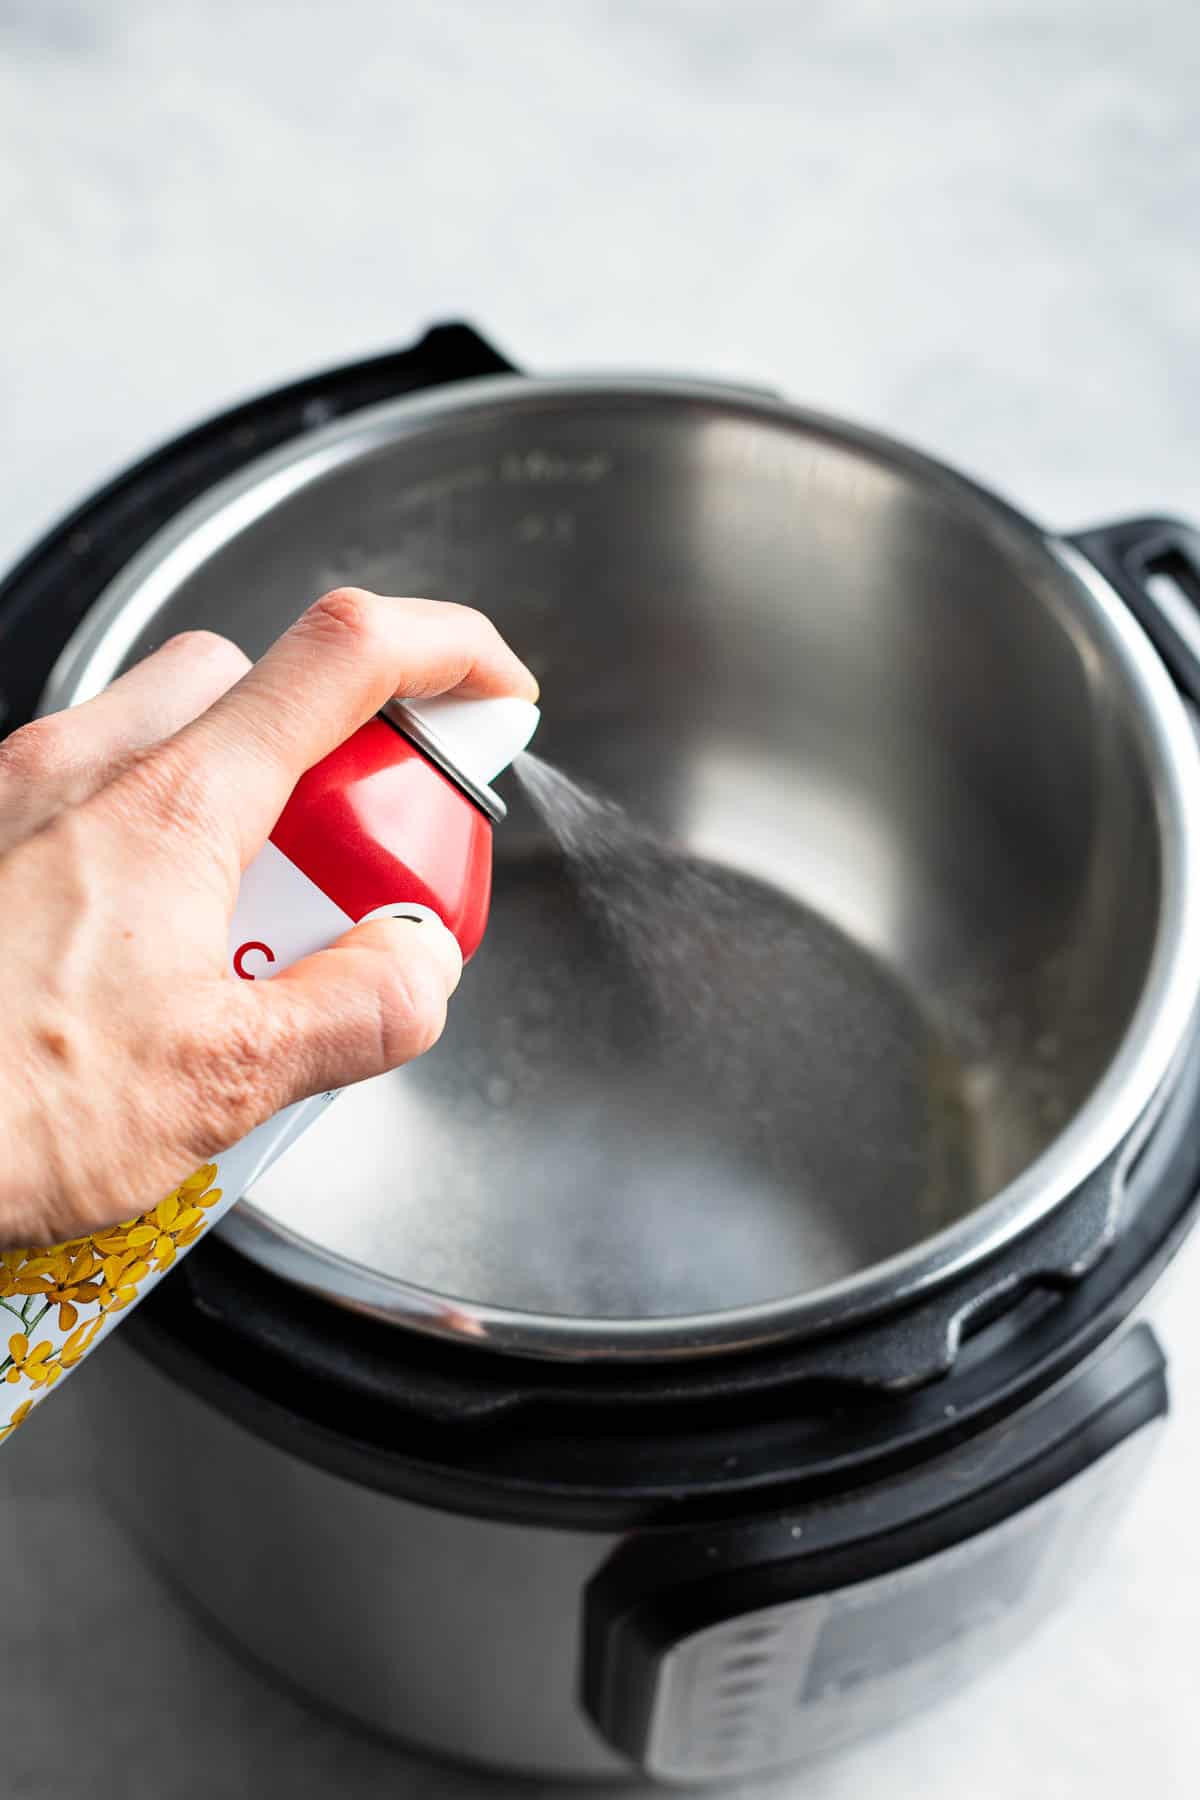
(1090,1140)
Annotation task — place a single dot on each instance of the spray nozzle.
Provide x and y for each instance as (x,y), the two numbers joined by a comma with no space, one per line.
(483,736)
(473,741)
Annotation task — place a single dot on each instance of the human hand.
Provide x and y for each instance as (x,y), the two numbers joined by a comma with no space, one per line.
(128,1055)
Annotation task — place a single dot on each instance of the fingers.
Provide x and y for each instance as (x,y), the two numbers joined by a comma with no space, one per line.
(375,999)
(61,760)
(324,678)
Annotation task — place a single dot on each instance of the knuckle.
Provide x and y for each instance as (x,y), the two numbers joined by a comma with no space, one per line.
(165,788)
(346,613)
(40,751)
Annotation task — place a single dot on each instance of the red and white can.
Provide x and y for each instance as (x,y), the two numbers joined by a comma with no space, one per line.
(398,820)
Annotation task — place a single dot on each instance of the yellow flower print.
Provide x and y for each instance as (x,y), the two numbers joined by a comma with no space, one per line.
(19,1417)
(130,1250)
(80,1342)
(101,1273)
(64,1277)
(34,1361)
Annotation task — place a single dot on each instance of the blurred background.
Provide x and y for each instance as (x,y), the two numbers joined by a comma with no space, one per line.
(972,226)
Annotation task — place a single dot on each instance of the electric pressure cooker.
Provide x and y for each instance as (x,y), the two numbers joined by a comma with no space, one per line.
(530,1422)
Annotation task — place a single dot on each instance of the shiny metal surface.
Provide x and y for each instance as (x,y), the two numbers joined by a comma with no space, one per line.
(464,1635)
(864,687)
(454,1634)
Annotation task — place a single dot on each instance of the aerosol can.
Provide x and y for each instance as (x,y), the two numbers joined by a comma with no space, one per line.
(397,821)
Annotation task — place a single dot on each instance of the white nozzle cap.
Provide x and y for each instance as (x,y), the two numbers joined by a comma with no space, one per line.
(482,736)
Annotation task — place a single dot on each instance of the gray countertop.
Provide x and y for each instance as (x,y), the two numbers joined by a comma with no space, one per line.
(974,227)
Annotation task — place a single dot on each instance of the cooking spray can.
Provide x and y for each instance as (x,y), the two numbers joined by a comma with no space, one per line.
(397,821)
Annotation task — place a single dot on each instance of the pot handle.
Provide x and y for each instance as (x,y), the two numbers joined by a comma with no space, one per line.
(1132,555)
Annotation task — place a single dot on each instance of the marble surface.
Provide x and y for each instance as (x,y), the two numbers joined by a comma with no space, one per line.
(973,226)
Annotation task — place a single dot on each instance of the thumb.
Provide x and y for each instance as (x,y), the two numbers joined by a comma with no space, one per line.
(373,1000)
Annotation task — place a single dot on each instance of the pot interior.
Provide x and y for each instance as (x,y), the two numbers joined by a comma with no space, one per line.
(878,704)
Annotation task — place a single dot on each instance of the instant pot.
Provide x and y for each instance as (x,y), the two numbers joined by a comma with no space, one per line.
(573,1407)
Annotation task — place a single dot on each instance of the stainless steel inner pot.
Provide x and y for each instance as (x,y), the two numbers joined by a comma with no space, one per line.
(948,774)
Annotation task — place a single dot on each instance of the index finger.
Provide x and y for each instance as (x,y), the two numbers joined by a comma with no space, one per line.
(326,676)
